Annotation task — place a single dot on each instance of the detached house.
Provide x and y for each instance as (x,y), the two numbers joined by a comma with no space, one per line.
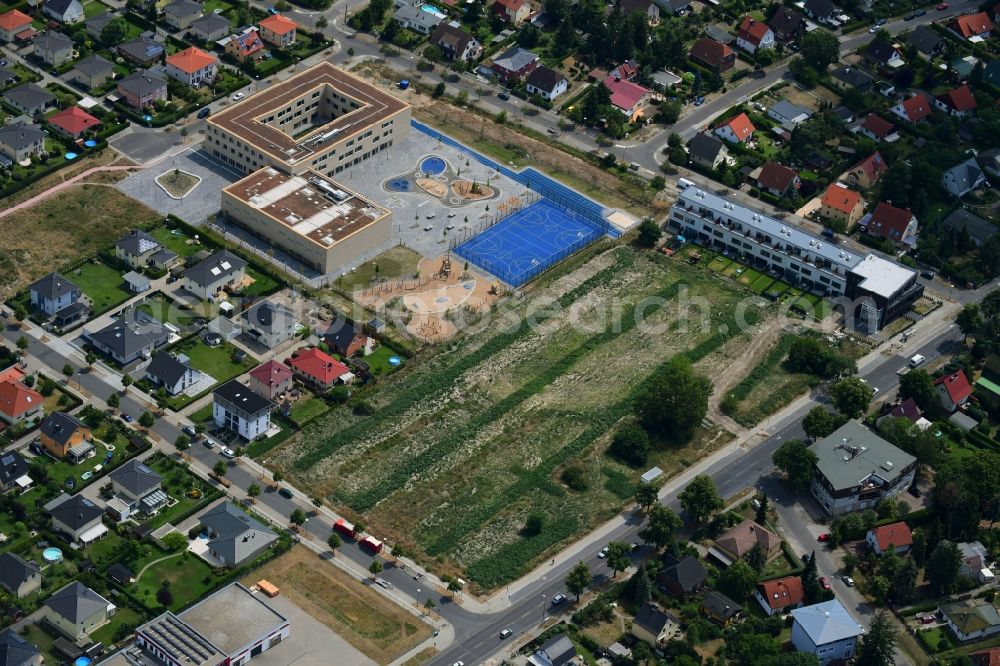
(714,55)
(13,473)
(778,179)
(867,172)
(192,67)
(546,83)
(215,273)
(19,577)
(514,64)
(842,204)
(13,22)
(66,437)
(64,11)
(961,220)
(126,341)
(780,595)
(898,225)
(233,536)
(278,30)
(77,519)
(826,630)
(880,53)
(19,142)
(237,408)
(969,26)
(143,50)
(953,390)
(877,128)
(95,24)
(76,611)
(180,14)
(345,339)
(411,15)
(53,48)
(741,539)
(823,11)
(647,7)
(92,71)
(29,98)
(737,129)
(628,97)
(654,626)
(682,577)
(270,324)
(720,609)
(173,373)
(896,536)
(246,45)
(913,109)
(271,379)
(16,651)
(456,44)
(210,27)
(787,24)
(754,35)
(320,369)
(958,102)
(19,403)
(53,293)
(142,89)
(136,248)
(963,178)
(73,123)
(136,489)
(514,12)
(971,620)
(926,41)
(707,150)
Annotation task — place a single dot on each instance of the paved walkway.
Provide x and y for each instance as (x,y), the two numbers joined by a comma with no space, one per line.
(28,203)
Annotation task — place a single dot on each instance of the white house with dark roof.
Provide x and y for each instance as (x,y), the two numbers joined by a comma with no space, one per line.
(654,626)
(16,651)
(213,274)
(171,372)
(29,98)
(137,489)
(826,630)
(180,14)
(546,82)
(210,27)
(91,71)
(13,472)
(412,16)
(963,178)
(21,141)
(557,651)
(136,248)
(53,293)
(707,150)
(95,24)
(53,48)
(64,11)
(77,519)
(238,408)
(455,43)
(76,611)
(18,576)
(127,341)
(233,536)
(269,324)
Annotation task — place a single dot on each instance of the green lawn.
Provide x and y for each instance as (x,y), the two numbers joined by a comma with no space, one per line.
(92,9)
(105,550)
(189,578)
(308,408)
(123,617)
(163,310)
(178,483)
(211,5)
(761,284)
(203,415)
(177,242)
(216,361)
(103,284)
(43,639)
(748,277)
(378,360)
(263,285)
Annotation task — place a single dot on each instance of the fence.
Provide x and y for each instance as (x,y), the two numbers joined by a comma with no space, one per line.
(535,180)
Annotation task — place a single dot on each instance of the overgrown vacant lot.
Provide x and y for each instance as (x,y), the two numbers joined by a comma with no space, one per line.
(63,229)
(463,446)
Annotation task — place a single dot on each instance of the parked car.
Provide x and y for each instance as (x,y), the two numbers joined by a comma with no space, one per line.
(699,100)
(558,599)
(943,6)
(927,275)
(910,17)
(189,430)
(209,443)
(913,490)
(926,619)
(127,418)
(238,96)
(504,95)
(922,12)
(848,581)
(824,537)
(272,10)
(505,633)
(603,553)
(824,582)
(383,583)
(872,30)
(285,492)
(204,113)
(227,452)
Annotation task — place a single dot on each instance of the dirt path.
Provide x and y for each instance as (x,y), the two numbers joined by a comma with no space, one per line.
(167,557)
(759,345)
(28,203)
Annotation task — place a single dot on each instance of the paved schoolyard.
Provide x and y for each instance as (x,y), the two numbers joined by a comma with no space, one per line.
(310,642)
(201,203)
(143,144)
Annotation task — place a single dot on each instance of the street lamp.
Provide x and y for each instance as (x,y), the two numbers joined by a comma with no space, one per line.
(543,608)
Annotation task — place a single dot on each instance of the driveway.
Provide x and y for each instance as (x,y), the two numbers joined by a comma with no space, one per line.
(201,203)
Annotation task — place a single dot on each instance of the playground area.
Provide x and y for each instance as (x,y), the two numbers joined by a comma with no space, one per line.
(435,176)
(426,302)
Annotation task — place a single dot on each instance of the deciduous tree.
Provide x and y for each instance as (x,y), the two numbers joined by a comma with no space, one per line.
(618,557)
(578,580)
(700,499)
(851,396)
(675,401)
(797,462)
(661,527)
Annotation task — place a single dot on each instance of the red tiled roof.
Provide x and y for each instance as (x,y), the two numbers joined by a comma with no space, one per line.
(841,198)
(16,398)
(710,51)
(971,25)
(278,24)
(896,535)
(317,363)
(989,657)
(741,126)
(782,592)
(776,176)
(74,120)
(959,99)
(889,222)
(11,374)
(956,385)
(624,94)
(510,5)
(873,166)
(878,126)
(271,373)
(752,30)
(14,19)
(191,60)
(917,107)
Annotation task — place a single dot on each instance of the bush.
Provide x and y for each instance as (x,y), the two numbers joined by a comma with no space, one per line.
(575,476)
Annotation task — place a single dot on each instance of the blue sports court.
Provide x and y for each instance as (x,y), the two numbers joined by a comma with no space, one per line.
(525,243)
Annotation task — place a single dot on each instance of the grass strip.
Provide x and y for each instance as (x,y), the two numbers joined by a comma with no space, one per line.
(760,372)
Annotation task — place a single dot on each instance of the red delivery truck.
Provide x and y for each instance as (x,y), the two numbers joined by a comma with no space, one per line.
(345,528)
(372,544)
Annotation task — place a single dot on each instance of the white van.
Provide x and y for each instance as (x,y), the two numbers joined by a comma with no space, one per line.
(684,183)
(916,360)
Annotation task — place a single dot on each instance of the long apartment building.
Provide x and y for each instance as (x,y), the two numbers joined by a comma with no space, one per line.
(322,119)
(876,290)
(316,220)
